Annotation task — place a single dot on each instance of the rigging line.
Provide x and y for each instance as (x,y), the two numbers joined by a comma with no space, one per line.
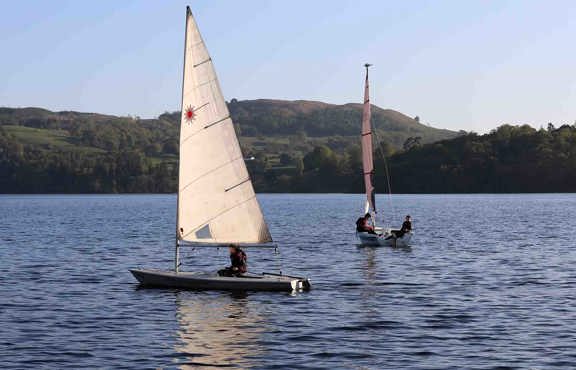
(218,215)
(278,258)
(205,83)
(198,86)
(389,188)
(189,136)
(198,43)
(210,171)
(387,175)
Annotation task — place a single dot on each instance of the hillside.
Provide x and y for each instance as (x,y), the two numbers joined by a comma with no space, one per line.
(272,126)
(71,152)
(44,151)
(316,119)
(265,122)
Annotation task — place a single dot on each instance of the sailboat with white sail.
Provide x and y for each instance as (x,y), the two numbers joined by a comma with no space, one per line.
(216,203)
(378,236)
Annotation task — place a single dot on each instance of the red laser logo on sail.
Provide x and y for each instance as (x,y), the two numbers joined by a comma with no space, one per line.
(189,114)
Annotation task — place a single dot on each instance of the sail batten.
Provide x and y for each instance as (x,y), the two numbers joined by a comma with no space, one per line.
(214,123)
(367,156)
(216,200)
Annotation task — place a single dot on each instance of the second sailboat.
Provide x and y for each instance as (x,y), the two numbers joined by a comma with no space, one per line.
(366,229)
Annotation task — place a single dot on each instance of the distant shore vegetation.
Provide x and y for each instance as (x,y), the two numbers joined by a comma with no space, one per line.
(297,147)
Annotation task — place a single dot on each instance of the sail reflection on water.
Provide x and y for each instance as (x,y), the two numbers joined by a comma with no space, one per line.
(221,329)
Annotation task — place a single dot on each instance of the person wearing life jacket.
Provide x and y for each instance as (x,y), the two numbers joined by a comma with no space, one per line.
(238,262)
(363,224)
(406,227)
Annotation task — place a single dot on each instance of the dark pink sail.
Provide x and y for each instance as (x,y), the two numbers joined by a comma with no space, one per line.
(367,160)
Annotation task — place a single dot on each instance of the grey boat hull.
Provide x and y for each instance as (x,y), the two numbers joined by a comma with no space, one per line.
(210,281)
(384,240)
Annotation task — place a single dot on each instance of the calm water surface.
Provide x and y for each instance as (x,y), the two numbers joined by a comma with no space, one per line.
(489,283)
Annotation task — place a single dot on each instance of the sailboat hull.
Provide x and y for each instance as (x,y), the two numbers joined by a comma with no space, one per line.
(211,281)
(384,240)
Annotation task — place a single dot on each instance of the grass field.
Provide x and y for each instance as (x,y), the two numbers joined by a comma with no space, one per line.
(48,139)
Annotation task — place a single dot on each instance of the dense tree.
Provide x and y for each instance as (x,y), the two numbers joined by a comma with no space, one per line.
(69,152)
(411,143)
(320,158)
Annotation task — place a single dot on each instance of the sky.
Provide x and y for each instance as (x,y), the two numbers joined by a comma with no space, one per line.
(462,65)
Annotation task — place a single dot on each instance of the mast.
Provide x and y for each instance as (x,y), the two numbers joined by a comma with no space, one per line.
(367,156)
(177,234)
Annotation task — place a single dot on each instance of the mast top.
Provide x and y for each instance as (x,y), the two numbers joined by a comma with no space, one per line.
(367,65)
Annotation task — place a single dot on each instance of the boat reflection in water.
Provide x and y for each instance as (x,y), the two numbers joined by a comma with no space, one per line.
(218,329)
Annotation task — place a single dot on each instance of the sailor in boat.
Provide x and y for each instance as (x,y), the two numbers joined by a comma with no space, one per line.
(238,262)
(364,224)
(406,228)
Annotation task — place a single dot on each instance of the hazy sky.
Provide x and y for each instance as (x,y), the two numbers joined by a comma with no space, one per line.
(469,65)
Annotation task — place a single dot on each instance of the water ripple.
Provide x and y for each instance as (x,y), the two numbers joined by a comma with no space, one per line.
(489,284)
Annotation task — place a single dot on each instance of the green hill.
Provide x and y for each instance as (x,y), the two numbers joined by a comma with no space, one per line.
(298,147)
(263,125)
(44,151)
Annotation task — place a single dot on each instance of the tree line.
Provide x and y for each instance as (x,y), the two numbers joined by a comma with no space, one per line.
(508,159)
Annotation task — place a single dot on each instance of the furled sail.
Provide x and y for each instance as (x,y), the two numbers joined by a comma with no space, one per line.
(367,160)
(216,200)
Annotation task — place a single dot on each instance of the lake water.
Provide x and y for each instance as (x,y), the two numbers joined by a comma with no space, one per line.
(489,283)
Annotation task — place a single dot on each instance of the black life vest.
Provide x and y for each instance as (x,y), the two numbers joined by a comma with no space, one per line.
(406,226)
(239,260)
(360,224)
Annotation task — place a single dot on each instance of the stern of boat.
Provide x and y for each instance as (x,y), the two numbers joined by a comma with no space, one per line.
(301,284)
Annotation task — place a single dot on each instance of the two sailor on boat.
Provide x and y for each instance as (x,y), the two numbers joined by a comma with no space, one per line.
(238,262)
(365,224)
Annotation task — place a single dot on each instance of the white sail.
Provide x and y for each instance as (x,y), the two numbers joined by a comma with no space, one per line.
(216,200)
